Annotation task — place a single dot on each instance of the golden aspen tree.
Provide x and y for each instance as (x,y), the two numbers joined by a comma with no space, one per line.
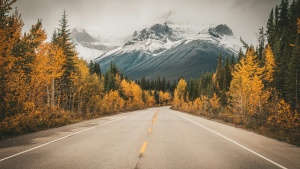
(79,80)
(198,106)
(180,93)
(112,102)
(55,71)
(270,65)
(89,95)
(133,94)
(36,64)
(40,77)
(127,92)
(137,95)
(246,88)
(283,119)
(164,97)
(12,93)
(149,99)
(214,104)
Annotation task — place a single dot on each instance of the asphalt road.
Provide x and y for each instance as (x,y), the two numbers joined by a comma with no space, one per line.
(153,138)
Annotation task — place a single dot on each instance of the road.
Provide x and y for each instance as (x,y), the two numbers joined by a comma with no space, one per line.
(154,138)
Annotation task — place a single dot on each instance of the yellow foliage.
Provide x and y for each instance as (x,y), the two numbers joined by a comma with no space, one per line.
(198,106)
(33,121)
(133,95)
(283,118)
(179,93)
(164,98)
(214,103)
(149,99)
(246,88)
(112,102)
(269,65)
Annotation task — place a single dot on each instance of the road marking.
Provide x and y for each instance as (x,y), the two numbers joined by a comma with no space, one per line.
(155,117)
(143,149)
(153,122)
(149,130)
(271,161)
(61,138)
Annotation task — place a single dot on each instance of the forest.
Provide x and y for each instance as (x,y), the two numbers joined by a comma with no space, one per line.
(45,84)
(259,90)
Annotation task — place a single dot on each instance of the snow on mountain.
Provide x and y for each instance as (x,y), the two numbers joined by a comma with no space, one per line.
(163,36)
(172,50)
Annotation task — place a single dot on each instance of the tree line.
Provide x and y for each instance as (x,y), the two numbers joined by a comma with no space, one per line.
(45,84)
(259,89)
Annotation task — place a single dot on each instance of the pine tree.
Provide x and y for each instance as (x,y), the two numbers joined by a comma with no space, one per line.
(232,60)
(219,75)
(261,43)
(292,86)
(240,55)
(227,75)
(97,69)
(271,29)
(63,40)
(91,67)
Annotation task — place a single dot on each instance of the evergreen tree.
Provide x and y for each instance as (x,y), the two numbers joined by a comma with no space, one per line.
(240,55)
(63,40)
(232,61)
(271,29)
(292,86)
(227,75)
(91,67)
(219,76)
(97,69)
(261,43)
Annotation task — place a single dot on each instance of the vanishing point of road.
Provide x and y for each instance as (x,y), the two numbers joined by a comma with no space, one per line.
(154,138)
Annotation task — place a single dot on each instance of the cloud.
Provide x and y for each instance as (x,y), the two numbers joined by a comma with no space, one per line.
(125,16)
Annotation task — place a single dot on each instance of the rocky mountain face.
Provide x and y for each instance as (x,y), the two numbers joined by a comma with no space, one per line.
(172,51)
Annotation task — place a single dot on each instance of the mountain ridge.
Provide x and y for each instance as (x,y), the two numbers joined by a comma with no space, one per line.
(170,50)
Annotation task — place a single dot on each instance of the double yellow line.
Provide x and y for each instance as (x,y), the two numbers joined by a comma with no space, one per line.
(144,146)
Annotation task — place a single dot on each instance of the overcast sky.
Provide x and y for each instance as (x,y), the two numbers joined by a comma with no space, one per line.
(244,17)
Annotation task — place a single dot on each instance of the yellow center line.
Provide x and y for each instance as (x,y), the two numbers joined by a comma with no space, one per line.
(154,121)
(143,149)
(149,130)
(155,117)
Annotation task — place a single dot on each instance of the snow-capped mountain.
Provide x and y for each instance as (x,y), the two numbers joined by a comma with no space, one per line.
(172,50)
(91,44)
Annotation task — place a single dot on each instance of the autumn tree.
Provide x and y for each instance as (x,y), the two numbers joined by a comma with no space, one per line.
(180,93)
(269,66)
(12,76)
(246,89)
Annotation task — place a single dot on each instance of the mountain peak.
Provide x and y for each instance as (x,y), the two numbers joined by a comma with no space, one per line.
(222,29)
(80,35)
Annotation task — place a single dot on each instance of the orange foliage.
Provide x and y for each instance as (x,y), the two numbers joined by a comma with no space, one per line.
(112,102)
(282,118)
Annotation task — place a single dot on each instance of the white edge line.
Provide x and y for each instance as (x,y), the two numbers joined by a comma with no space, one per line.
(271,161)
(53,141)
